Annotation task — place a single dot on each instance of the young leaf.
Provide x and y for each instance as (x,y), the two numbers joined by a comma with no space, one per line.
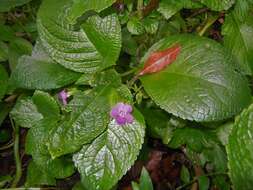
(158,60)
(185,174)
(202,84)
(145,180)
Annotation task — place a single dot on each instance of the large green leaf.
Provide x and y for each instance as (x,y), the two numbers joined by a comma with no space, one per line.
(238,39)
(40,72)
(37,140)
(88,119)
(202,84)
(169,8)
(36,145)
(218,5)
(3,81)
(94,47)
(240,152)
(103,162)
(6,5)
(29,111)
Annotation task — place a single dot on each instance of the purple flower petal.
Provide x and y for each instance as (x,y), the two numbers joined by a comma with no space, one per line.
(122,113)
(121,120)
(129,118)
(63,96)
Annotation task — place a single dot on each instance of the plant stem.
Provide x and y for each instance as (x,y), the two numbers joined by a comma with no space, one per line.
(129,72)
(16,155)
(207,25)
(197,177)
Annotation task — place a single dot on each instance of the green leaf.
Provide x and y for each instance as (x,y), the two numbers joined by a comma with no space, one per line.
(6,32)
(129,45)
(135,185)
(85,50)
(89,118)
(135,26)
(145,180)
(3,81)
(25,113)
(242,9)
(194,88)
(169,8)
(239,150)
(203,182)
(32,73)
(196,139)
(17,48)
(36,176)
(185,174)
(238,39)
(3,51)
(29,111)
(158,125)
(36,145)
(223,132)
(103,162)
(218,5)
(7,5)
(151,25)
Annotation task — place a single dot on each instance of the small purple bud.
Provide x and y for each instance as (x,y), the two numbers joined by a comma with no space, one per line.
(122,113)
(63,97)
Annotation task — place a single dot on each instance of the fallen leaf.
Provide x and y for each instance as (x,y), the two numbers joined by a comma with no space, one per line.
(158,60)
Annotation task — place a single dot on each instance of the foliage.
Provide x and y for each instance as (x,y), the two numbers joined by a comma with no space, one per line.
(183,68)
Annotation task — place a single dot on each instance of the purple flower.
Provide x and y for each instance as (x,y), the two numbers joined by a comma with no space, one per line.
(122,113)
(63,96)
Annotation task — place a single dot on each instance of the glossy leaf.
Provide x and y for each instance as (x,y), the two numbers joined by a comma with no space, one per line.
(158,60)
(238,39)
(40,72)
(218,5)
(85,50)
(103,162)
(29,111)
(89,114)
(239,150)
(194,88)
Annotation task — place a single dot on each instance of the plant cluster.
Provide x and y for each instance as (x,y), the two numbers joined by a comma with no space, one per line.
(90,82)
